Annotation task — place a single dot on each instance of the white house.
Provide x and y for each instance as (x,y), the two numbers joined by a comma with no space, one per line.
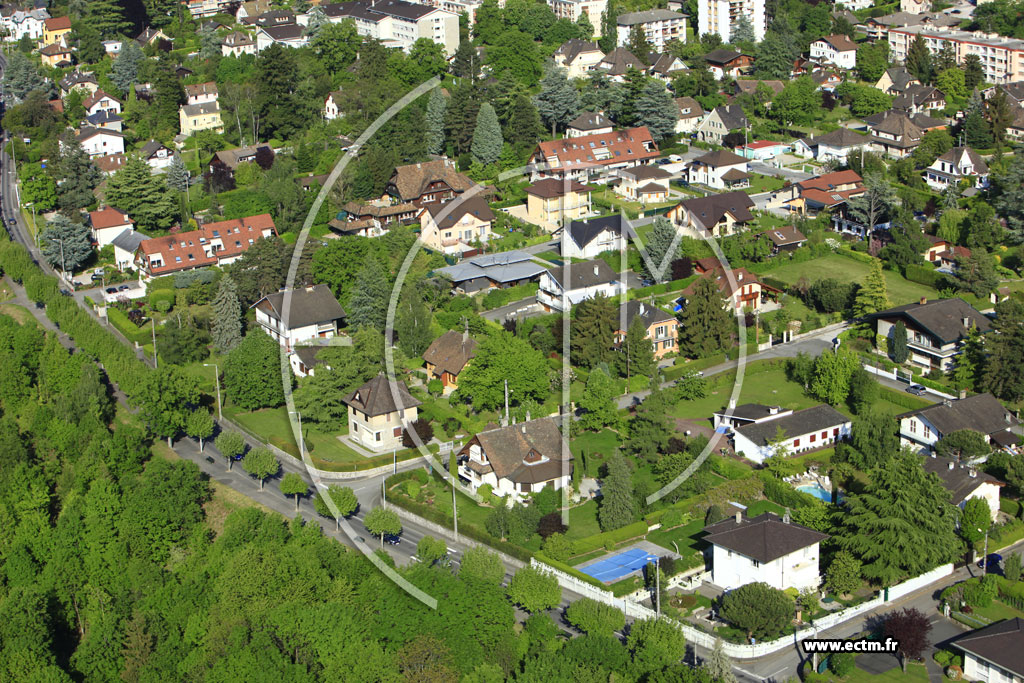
(589,123)
(577,282)
(802,430)
(764,549)
(993,654)
(935,329)
(955,165)
(983,413)
(760,150)
(644,184)
(455,227)
(18,23)
(288,35)
(720,170)
(107,223)
(100,101)
(125,246)
(332,105)
(690,115)
(156,154)
(658,25)
(518,459)
(237,44)
(578,57)
(375,419)
(201,93)
(836,49)
(965,482)
(397,23)
(721,121)
(313,313)
(101,141)
(837,145)
(587,239)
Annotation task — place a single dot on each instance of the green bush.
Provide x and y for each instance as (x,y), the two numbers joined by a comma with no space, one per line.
(841,664)
(1010,507)
(412,488)
(157,296)
(674,517)
(856,255)
(783,494)
(924,275)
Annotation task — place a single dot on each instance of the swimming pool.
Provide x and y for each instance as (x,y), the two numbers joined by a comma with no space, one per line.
(622,564)
(819,492)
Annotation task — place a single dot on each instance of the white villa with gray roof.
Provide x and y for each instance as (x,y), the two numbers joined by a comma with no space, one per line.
(756,429)
(518,459)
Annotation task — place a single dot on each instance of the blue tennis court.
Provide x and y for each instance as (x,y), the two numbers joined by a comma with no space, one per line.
(622,564)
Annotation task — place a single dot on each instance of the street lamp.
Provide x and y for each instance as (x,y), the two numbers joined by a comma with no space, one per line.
(216,377)
(302,445)
(984,560)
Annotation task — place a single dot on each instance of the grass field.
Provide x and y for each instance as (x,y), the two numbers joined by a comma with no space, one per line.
(273,425)
(916,673)
(763,183)
(901,291)
(21,314)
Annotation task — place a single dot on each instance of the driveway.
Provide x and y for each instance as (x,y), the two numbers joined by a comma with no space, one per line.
(789,174)
(524,308)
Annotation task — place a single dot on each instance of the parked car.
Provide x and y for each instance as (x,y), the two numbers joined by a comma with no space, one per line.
(675,158)
(993,560)
(360,539)
(123,288)
(111,290)
(916,390)
(392,539)
(96,276)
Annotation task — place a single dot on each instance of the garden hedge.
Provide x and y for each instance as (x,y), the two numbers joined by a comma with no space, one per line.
(615,537)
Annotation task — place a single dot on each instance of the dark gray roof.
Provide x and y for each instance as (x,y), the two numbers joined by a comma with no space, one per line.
(590,120)
(721,56)
(571,49)
(376,397)
(982,413)
(752,411)
(721,157)
(309,305)
(818,418)
(129,240)
(649,314)
(631,18)
(283,32)
(619,61)
(841,137)
(1001,643)
(957,479)
(584,232)
(477,206)
(732,117)
(201,109)
(507,266)
(102,117)
(309,355)
(646,172)
(941,318)
(151,148)
(763,538)
(584,274)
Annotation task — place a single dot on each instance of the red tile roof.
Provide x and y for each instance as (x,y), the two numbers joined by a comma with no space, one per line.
(108,217)
(187,250)
(57,23)
(600,149)
(92,99)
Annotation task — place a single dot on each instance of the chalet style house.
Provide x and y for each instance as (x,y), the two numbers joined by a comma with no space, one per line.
(447,356)
(428,182)
(518,459)
(375,420)
(313,313)
(935,329)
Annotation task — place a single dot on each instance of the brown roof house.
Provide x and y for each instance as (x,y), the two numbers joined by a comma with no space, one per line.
(983,413)
(456,227)
(313,313)
(518,459)
(716,215)
(428,182)
(378,412)
(994,653)
(447,356)
(767,549)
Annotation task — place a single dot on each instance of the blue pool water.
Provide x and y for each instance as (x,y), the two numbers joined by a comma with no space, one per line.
(820,493)
(618,565)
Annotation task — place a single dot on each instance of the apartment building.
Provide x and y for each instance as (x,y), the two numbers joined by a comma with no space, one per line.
(213,244)
(659,26)
(572,9)
(397,23)
(1002,59)
(719,16)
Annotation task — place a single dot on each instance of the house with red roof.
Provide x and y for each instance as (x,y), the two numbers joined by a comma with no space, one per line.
(587,156)
(107,223)
(213,244)
(943,253)
(99,102)
(821,192)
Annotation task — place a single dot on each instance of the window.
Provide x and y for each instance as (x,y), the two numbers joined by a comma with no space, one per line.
(755,563)
(913,426)
(813,438)
(796,443)
(824,434)
(397,432)
(377,436)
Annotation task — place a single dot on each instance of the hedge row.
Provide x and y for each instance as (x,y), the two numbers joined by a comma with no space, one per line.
(856,255)
(924,275)
(126,327)
(1010,507)
(438,517)
(614,537)
(90,337)
(572,571)
(783,494)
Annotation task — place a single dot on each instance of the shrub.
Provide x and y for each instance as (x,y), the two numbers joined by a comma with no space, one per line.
(674,517)
(412,488)
(423,429)
(558,547)
(550,524)
(841,663)
(161,295)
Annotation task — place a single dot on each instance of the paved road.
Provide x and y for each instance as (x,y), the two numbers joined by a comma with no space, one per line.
(789,174)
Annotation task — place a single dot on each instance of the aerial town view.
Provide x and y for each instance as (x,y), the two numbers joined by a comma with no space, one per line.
(667,341)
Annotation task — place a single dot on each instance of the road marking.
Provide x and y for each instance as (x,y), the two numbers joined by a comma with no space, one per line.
(744,671)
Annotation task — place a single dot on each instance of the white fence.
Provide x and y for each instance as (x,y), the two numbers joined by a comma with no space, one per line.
(738,650)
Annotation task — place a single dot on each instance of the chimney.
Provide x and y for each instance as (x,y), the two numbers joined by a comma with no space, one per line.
(465,333)
(739,516)
(973,472)
(643,309)
(951,465)
(527,419)
(595,269)
(962,394)
(967,322)
(522,428)
(785,517)
(946,402)
(309,288)
(514,419)
(924,300)
(774,410)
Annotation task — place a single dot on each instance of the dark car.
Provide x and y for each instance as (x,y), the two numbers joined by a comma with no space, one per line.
(916,390)
(360,539)
(391,539)
(111,290)
(96,276)
(123,288)
(12,221)
(992,560)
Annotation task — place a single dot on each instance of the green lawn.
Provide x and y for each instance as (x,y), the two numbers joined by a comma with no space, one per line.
(771,388)
(763,183)
(998,611)
(583,520)
(916,673)
(272,424)
(901,291)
